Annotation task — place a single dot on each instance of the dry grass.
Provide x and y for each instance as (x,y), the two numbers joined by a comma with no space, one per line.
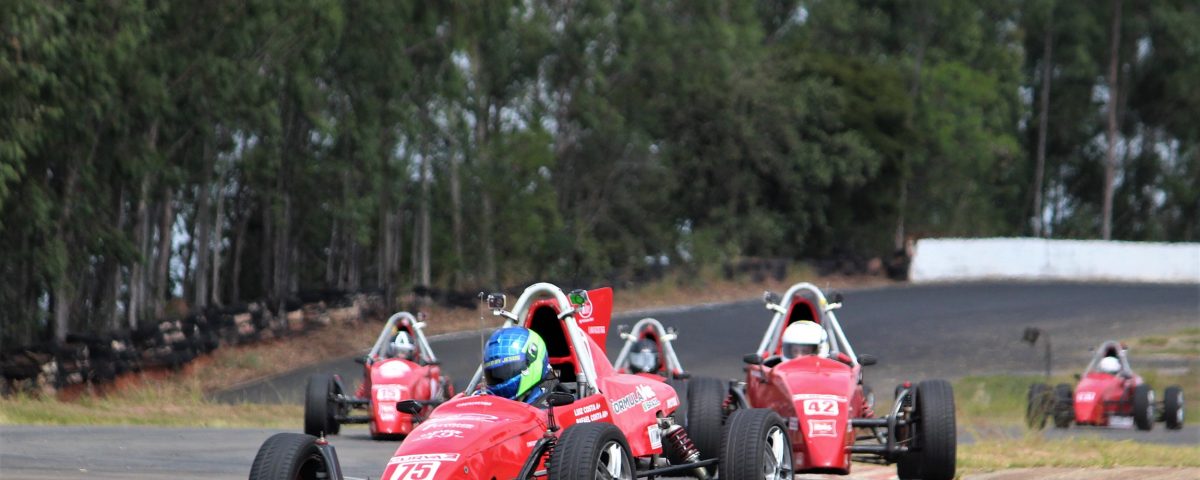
(1034,451)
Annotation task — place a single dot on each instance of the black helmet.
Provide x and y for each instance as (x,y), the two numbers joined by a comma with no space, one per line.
(643,357)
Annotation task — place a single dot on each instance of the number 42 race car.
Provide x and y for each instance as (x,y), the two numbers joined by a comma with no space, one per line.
(600,425)
(829,410)
(400,366)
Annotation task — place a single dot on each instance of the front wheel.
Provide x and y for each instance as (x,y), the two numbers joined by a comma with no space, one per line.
(1143,407)
(1173,407)
(756,446)
(1036,406)
(1064,406)
(320,405)
(705,414)
(592,451)
(289,456)
(932,457)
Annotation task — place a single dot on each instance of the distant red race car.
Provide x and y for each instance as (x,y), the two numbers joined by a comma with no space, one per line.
(648,351)
(829,410)
(1109,394)
(400,366)
(600,424)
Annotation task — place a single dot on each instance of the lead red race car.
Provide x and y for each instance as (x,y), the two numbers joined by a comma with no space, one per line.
(400,366)
(829,410)
(1109,394)
(601,424)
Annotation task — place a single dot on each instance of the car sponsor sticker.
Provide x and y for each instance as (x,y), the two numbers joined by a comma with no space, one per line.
(1085,396)
(655,435)
(672,402)
(425,457)
(793,423)
(590,413)
(440,433)
(818,396)
(820,406)
(474,403)
(822,428)
(640,394)
(596,330)
(463,417)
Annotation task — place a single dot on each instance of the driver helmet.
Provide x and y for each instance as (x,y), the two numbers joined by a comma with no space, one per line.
(401,347)
(643,357)
(1110,365)
(804,338)
(514,361)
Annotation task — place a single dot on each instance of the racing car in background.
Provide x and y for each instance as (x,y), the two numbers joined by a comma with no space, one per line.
(599,424)
(400,366)
(648,351)
(828,408)
(1109,394)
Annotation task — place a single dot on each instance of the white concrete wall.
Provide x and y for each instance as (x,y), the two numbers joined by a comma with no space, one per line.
(943,259)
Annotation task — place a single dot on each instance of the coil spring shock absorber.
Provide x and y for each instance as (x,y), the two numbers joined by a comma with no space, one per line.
(682,446)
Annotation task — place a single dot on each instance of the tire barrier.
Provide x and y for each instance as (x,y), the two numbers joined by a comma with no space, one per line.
(98,359)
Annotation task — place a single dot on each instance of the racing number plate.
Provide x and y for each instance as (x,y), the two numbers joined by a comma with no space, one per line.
(820,407)
(415,470)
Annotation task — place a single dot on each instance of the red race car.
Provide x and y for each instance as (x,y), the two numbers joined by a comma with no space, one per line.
(1109,394)
(599,424)
(400,366)
(648,352)
(806,371)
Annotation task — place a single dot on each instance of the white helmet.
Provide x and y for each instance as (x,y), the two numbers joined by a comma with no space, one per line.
(804,338)
(401,347)
(1109,365)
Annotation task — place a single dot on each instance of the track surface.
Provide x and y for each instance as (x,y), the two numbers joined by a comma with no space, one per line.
(916,331)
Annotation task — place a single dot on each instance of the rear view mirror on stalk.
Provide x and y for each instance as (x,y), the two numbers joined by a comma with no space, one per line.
(496,301)
(752,359)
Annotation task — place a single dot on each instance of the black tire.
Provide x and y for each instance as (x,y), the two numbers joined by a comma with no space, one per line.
(932,455)
(288,456)
(1064,406)
(1036,403)
(1143,407)
(681,390)
(1173,407)
(748,449)
(706,414)
(320,405)
(585,449)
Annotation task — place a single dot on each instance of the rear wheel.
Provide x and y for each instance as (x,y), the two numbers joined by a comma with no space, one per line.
(1143,407)
(681,390)
(705,414)
(1036,403)
(592,451)
(756,446)
(1064,406)
(320,405)
(1173,407)
(289,456)
(932,456)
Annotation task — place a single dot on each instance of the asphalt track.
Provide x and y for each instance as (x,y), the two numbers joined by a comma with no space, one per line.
(917,332)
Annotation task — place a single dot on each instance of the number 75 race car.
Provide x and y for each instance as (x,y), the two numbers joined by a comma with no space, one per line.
(600,424)
(828,409)
(400,366)
(1109,394)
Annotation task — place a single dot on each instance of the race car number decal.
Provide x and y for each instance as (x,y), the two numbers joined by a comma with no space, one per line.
(415,471)
(1085,396)
(820,407)
(387,393)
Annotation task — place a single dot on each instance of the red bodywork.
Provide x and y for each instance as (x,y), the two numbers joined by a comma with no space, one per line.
(388,381)
(483,436)
(817,397)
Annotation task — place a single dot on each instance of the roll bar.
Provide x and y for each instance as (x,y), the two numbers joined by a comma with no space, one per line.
(828,320)
(586,376)
(418,328)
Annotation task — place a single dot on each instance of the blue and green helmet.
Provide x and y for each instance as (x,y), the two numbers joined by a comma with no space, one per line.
(514,361)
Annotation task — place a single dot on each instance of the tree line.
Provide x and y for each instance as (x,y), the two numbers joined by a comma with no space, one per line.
(212,152)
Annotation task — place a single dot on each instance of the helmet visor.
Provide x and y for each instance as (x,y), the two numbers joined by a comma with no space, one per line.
(504,372)
(643,361)
(793,350)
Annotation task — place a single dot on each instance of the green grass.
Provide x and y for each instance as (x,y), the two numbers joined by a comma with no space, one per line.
(1035,451)
(146,406)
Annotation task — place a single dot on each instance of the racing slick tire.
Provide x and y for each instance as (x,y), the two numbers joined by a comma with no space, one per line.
(589,451)
(1173,407)
(289,456)
(705,414)
(1037,406)
(756,446)
(933,455)
(681,390)
(320,407)
(1143,407)
(1064,406)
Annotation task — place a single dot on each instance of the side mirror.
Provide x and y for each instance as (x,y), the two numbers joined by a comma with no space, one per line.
(771,298)
(835,297)
(752,359)
(411,407)
(361,360)
(867,359)
(578,297)
(496,301)
(560,399)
